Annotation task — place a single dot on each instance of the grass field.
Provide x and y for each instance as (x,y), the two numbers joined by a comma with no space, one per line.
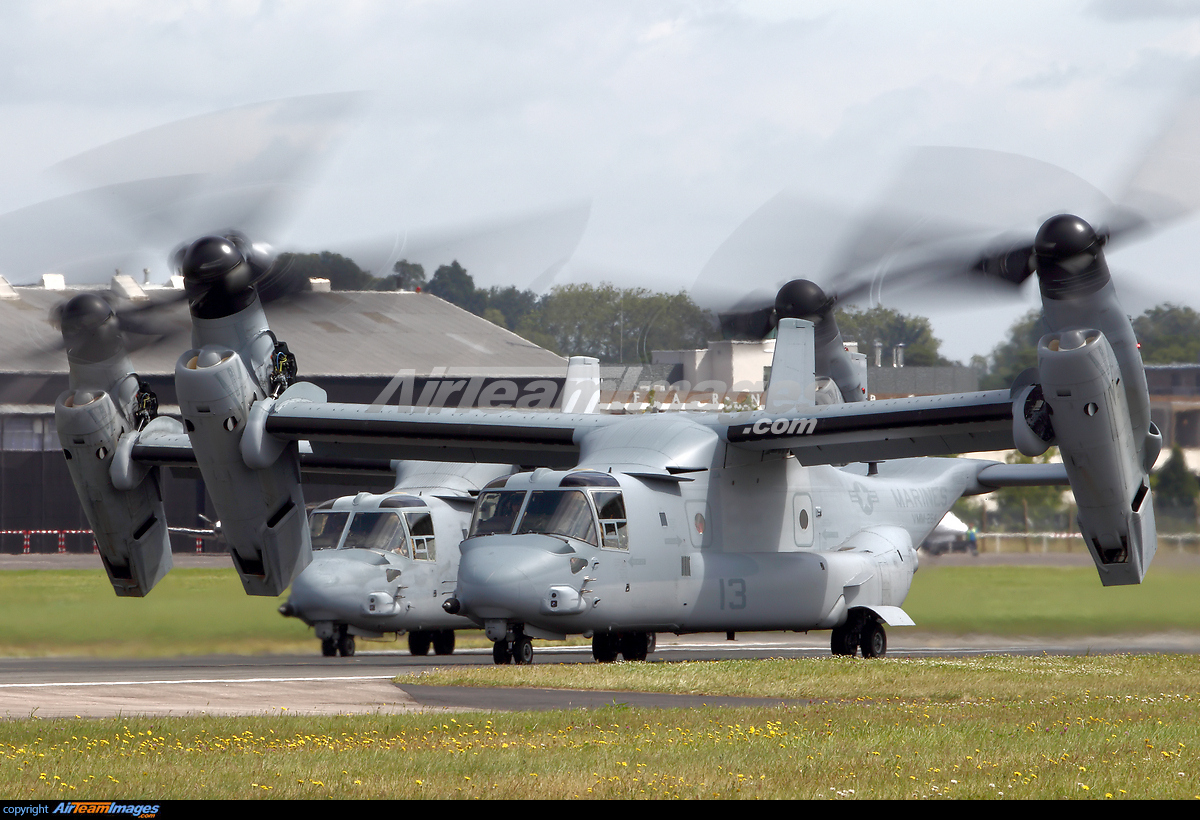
(1110,726)
(1102,727)
(205,611)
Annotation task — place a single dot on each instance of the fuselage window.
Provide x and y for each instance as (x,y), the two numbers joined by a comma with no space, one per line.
(420,527)
(559,512)
(613,522)
(496,512)
(377,531)
(326,529)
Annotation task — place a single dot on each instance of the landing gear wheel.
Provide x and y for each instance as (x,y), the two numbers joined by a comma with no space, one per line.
(418,643)
(604,647)
(651,642)
(522,651)
(874,640)
(443,642)
(844,641)
(345,644)
(328,647)
(634,645)
(501,654)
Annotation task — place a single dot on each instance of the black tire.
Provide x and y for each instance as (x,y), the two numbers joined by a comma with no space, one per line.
(346,645)
(418,643)
(443,642)
(522,651)
(874,640)
(329,647)
(500,653)
(843,641)
(651,642)
(634,646)
(604,648)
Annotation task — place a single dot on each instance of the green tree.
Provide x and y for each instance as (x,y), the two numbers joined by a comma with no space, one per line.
(616,325)
(453,283)
(341,272)
(1168,334)
(405,276)
(1016,353)
(1175,490)
(891,328)
(514,305)
(1026,509)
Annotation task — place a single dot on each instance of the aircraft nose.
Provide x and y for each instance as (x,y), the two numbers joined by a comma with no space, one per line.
(330,589)
(507,576)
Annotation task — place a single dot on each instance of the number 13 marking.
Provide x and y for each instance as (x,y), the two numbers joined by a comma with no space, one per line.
(736,597)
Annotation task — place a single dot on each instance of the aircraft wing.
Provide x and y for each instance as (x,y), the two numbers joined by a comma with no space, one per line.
(881,430)
(174,450)
(362,440)
(470,436)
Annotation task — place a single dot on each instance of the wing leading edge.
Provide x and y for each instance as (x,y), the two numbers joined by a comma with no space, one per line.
(882,430)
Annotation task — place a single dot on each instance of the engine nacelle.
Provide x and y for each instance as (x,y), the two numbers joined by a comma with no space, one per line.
(1082,384)
(128,521)
(261,508)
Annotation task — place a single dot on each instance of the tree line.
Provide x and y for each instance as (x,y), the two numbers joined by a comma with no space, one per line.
(615,325)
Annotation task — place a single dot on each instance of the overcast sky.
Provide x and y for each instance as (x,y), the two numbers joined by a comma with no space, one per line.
(676,120)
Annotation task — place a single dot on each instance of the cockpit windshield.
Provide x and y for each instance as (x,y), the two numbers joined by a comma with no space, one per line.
(559,512)
(376,530)
(496,512)
(326,529)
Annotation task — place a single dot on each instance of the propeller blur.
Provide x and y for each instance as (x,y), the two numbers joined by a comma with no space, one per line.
(801,516)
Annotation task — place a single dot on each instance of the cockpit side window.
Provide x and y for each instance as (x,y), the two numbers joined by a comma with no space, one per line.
(613,522)
(376,530)
(496,512)
(326,529)
(420,527)
(559,512)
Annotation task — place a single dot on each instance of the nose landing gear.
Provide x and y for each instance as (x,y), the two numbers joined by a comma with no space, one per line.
(341,642)
(513,648)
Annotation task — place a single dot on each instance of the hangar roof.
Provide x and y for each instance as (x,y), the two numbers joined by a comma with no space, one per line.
(340,333)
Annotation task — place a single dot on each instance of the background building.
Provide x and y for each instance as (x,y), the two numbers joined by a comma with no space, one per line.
(354,345)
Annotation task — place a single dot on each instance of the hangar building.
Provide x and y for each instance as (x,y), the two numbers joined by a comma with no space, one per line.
(354,345)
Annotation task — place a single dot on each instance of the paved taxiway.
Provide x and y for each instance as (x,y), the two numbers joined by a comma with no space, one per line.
(363,684)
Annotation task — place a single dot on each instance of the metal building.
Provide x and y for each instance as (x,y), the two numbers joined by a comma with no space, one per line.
(411,347)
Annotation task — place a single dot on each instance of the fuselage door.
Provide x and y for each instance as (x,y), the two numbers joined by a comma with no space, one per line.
(803,520)
(420,529)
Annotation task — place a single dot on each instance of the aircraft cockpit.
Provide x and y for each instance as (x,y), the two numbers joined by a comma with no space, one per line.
(585,505)
(396,523)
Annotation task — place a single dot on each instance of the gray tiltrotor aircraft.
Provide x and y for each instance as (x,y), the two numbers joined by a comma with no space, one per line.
(800,516)
(384,562)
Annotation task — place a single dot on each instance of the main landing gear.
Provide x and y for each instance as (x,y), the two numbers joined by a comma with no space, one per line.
(633,646)
(340,643)
(441,639)
(861,631)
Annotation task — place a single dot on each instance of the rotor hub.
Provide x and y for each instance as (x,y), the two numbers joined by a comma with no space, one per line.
(89,327)
(802,299)
(1070,258)
(217,276)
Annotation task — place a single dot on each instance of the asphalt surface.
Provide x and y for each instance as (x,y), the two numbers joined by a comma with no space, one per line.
(373,682)
(385,682)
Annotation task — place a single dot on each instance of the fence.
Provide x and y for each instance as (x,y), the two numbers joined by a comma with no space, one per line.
(1068,542)
(27,537)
